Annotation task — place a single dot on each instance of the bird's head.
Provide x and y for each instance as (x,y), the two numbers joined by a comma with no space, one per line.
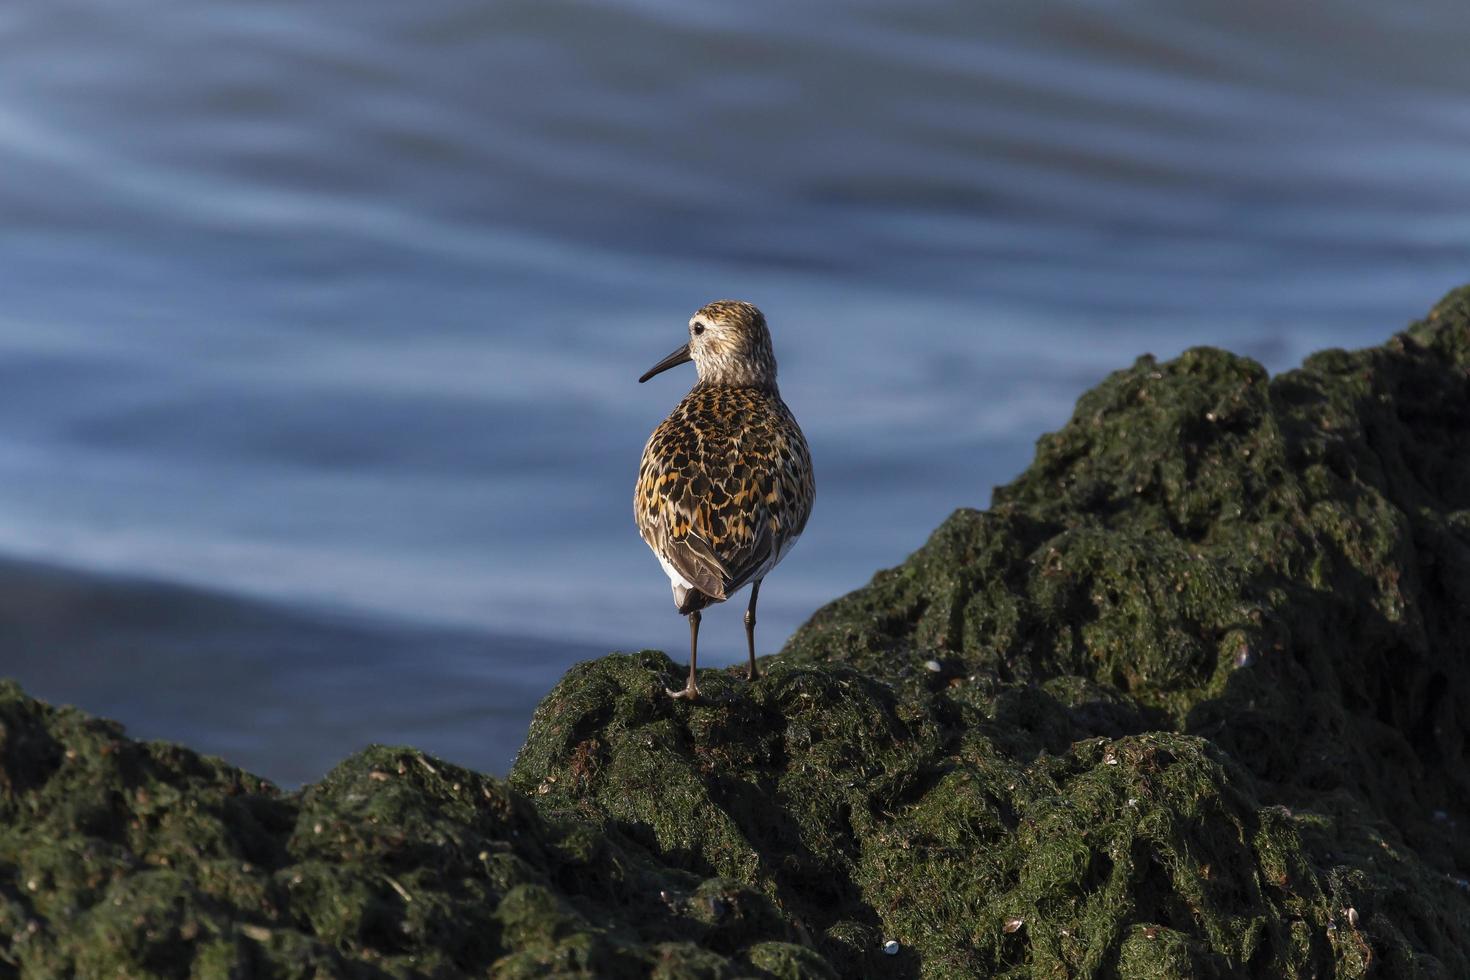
(729,345)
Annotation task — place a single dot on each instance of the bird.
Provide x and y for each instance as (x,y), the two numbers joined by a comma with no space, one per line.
(725,486)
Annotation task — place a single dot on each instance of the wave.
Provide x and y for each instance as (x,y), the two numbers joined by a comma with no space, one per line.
(279,690)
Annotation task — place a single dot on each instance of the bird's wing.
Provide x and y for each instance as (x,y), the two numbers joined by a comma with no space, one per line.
(667,509)
(671,536)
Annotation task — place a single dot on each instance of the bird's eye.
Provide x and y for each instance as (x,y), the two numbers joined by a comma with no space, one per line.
(699,328)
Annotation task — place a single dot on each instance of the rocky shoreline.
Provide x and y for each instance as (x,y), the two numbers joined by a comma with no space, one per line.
(1191,699)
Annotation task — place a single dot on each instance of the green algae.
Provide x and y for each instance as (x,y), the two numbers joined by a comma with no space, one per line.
(1190,700)
(121,858)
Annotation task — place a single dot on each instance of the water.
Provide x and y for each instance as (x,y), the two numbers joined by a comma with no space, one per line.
(334,312)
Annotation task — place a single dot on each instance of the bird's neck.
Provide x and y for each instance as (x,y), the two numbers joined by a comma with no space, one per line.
(738,372)
(766,386)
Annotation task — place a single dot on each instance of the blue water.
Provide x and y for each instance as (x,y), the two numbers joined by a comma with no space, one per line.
(334,311)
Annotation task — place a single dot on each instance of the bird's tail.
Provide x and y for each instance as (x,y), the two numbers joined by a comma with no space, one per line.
(691,600)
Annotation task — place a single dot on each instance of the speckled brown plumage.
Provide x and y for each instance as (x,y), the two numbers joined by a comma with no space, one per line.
(726,481)
(725,486)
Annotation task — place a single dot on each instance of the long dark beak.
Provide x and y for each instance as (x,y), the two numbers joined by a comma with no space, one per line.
(680,356)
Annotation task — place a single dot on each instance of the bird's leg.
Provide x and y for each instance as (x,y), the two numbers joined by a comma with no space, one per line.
(691,691)
(755,591)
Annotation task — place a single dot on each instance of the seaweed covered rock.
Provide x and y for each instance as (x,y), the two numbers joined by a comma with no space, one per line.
(1279,565)
(120,858)
(1191,699)
(869,811)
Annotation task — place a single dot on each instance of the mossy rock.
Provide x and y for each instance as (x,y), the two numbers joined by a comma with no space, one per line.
(120,858)
(1190,700)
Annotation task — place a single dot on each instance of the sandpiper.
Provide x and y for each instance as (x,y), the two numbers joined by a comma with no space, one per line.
(726,485)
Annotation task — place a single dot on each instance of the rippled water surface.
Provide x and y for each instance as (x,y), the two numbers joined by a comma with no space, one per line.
(341,306)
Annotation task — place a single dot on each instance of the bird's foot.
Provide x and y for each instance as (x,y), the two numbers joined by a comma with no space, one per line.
(690,692)
(752,674)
